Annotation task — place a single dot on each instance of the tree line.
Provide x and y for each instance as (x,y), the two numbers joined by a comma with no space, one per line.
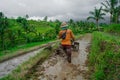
(112,7)
(20,31)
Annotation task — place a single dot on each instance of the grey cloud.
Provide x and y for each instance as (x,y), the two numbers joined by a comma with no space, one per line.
(76,9)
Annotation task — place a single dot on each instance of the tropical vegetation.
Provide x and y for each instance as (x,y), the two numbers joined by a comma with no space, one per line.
(104,63)
(96,15)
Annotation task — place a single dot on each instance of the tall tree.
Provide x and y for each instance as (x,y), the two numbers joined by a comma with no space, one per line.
(24,23)
(3,26)
(71,21)
(25,26)
(45,18)
(96,15)
(12,36)
(57,26)
(116,15)
(110,6)
(26,16)
(1,15)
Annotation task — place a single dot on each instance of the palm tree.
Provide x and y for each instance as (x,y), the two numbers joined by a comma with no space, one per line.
(96,15)
(116,14)
(1,15)
(110,6)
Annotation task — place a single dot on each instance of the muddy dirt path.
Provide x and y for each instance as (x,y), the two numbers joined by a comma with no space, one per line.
(7,66)
(57,67)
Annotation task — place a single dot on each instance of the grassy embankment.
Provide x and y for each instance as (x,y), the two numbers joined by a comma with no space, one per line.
(104,57)
(21,71)
(18,50)
(113,29)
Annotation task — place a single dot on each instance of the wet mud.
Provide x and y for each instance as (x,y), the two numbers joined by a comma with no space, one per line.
(57,67)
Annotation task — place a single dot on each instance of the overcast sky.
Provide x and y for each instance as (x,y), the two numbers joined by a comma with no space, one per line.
(54,9)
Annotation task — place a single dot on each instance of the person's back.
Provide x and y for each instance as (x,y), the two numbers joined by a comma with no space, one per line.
(66,42)
(69,36)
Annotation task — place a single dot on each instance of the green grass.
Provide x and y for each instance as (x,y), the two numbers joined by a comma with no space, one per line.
(113,28)
(43,29)
(15,50)
(104,57)
(21,71)
(41,26)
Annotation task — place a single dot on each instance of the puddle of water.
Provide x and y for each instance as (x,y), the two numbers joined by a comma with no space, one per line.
(8,66)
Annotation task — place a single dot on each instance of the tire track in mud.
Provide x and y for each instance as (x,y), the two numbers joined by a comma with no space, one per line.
(9,65)
(56,67)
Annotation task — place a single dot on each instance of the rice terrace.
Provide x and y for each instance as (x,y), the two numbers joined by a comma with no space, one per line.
(60,40)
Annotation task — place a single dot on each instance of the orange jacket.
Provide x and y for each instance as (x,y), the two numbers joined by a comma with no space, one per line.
(69,36)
